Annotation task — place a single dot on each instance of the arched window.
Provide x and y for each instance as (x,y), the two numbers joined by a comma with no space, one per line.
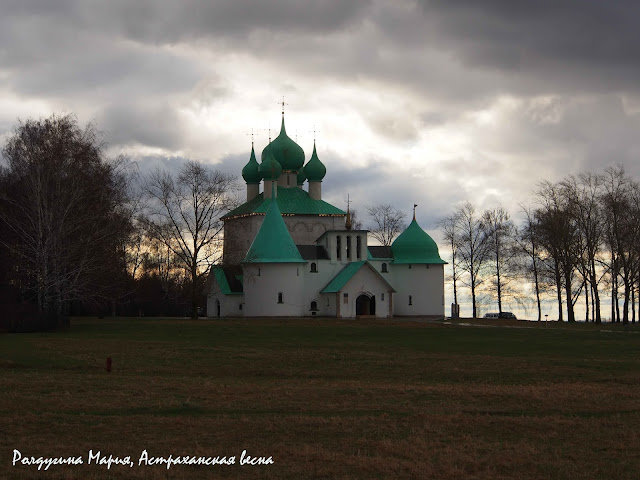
(280,297)
(384,268)
(410,300)
(314,306)
(348,247)
(339,247)
(358,247)
(314,267)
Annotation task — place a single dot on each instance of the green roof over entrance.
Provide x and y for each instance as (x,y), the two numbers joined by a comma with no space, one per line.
(292,200)
(344,275)
(273,243)
(414,245)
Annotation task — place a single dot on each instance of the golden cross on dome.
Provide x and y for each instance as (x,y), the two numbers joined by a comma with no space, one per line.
(251,136)
(283,104)
(314,133)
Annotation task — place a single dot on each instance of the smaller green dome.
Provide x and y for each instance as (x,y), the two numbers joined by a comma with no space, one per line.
(315,170)
(414,245)
(301,176)
(250,172)
(270,169)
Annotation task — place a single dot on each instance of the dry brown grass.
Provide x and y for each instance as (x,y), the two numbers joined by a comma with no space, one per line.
(325,399)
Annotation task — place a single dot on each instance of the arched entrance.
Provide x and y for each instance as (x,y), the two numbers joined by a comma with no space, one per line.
(365,305)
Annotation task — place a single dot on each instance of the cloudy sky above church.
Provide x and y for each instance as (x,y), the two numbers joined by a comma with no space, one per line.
(427,102)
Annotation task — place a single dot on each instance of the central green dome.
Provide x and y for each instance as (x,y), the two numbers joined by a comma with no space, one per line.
(287,152)
(414,245)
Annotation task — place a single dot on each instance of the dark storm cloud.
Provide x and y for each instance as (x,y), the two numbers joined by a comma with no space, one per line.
(573,45)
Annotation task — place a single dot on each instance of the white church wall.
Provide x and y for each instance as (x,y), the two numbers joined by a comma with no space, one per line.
(315,282)
(230,305)
(264,282)
(424,285)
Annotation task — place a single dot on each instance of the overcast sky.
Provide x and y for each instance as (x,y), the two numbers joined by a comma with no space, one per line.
(431,102)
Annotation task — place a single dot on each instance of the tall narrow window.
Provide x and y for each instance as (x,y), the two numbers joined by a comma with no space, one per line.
(410,300)
(280,297)
(384,268)
(382,297)
(358,247)
(314,267)
(346,298)
(348,247)
(339,247)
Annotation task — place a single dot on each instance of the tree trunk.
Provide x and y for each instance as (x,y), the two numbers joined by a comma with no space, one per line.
(559,290)
(586,296)
(473,298)
(567,287)
(535,276)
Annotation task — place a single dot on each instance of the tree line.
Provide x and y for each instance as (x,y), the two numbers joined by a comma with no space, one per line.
(579,238)
(84,233)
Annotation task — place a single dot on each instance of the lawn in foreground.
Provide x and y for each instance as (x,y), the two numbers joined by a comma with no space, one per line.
(324,399)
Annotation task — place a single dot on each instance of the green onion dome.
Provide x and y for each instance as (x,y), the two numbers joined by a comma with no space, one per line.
(250,172)
(315,169)
(301,177)
(287,152)
(270,168)
(414,245)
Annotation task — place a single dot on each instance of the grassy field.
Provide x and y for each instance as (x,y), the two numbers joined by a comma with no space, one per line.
(325,399)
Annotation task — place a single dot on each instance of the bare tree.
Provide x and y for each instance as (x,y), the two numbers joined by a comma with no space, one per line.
(473,248)
(527,241)
(449,226)
(66,207)
(184,213)
(386,223)
(500,231)
(623,233)
(583,195)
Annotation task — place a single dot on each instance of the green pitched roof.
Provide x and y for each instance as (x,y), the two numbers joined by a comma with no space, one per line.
(291,200)
(273,243)
(344,275)
(414,245)
(221,278)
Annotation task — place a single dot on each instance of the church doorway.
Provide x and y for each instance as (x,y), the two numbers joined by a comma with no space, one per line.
(365,305)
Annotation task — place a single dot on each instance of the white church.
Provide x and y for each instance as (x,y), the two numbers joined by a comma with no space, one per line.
(288,253)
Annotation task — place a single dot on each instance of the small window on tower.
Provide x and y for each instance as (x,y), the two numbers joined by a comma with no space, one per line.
(384,268)
(280,297)
(314,268)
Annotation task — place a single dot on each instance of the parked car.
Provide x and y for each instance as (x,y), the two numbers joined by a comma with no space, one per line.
(491,315)
(508,315)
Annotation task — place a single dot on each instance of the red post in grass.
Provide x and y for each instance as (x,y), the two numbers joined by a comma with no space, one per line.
(108,364)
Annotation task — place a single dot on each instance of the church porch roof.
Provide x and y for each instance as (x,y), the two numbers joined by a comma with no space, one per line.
(350,269)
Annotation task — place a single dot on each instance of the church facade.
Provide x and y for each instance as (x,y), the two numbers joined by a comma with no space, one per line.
(288,253)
